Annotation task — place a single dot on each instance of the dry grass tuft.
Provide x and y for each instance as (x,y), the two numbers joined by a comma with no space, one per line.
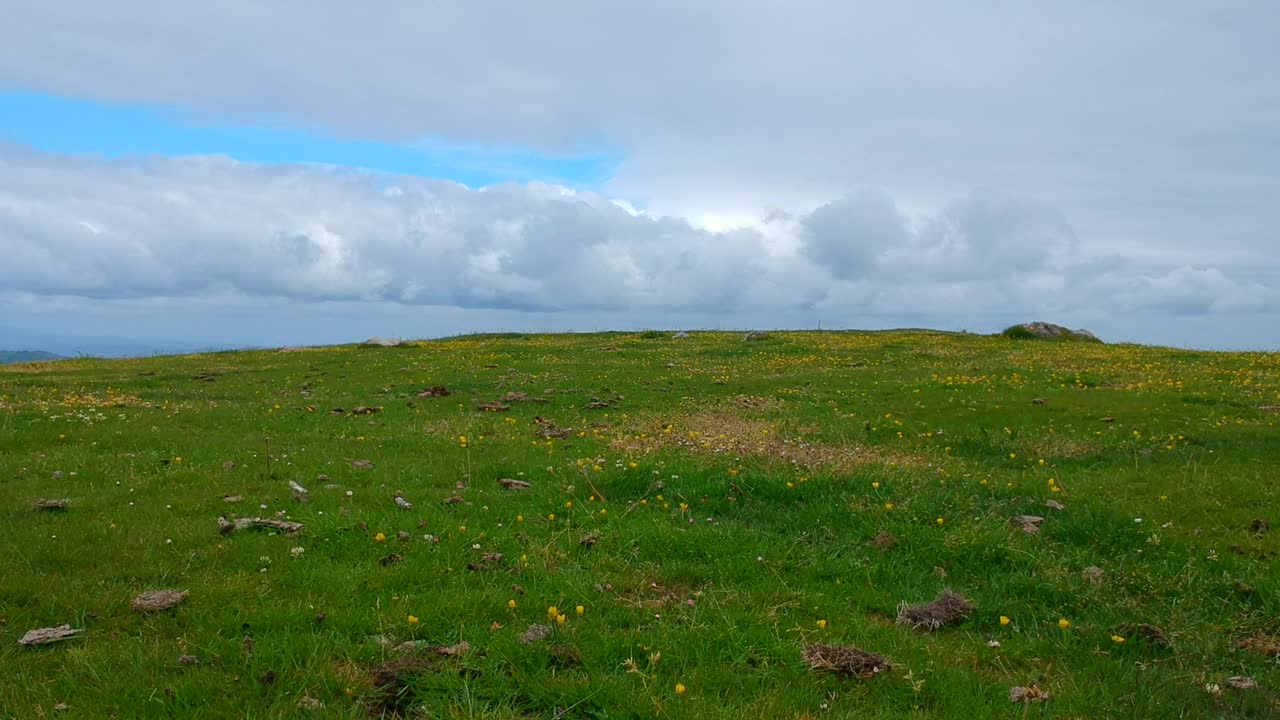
(947,609)
(845,660)
(1148,633)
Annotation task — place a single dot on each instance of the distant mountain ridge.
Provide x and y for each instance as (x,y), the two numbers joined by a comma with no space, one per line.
(20,356)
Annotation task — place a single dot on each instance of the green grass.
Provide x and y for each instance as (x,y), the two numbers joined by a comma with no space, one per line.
(733,488)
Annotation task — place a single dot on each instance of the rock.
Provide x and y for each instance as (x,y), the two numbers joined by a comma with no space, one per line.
(535,633)
(376,341)
(755,335)
(1027,694)
(1029,524)
(287,527)
(157,600)
(44,636)
(1242,682)
(299,492)
(434,391)
(1054,505)
(1049,331)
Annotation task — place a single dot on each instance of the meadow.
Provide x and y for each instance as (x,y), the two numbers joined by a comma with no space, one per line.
(627,525)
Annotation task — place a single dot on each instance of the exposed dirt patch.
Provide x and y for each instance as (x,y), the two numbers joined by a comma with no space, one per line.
(393,683)
(1261,643)
(654,595)
(566,655)
(884,540)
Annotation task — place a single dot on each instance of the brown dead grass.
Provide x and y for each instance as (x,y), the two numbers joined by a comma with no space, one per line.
(728,434)
(1262,644)
(1058,446)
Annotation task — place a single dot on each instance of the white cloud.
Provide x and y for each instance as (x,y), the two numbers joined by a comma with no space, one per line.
(210,227)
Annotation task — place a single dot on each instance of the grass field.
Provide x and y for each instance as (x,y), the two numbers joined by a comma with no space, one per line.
(698,512)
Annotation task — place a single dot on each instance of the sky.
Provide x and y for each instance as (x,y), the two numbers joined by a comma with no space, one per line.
(244,173)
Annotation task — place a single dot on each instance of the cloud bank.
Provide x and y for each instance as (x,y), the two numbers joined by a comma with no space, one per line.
(212,226)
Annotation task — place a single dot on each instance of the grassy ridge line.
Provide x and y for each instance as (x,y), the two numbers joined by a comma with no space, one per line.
(778,461)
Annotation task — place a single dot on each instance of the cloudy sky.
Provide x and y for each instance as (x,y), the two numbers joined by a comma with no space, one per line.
(233,172)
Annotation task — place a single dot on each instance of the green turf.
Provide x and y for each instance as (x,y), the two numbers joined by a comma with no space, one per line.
(732,489)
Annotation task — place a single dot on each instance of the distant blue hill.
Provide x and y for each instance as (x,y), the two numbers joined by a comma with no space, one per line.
(18,356)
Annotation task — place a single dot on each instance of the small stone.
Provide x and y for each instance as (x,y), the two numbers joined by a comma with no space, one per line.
(1242,682)
(157,600)
(1029,524)
(1027,694)
(44,636)
(535,633)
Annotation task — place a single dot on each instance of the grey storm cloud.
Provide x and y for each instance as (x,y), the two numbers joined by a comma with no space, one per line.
(199,226)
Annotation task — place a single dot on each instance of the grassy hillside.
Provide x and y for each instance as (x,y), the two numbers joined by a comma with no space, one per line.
(699,512)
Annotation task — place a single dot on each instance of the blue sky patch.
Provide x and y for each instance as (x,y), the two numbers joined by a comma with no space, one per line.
(65,125)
